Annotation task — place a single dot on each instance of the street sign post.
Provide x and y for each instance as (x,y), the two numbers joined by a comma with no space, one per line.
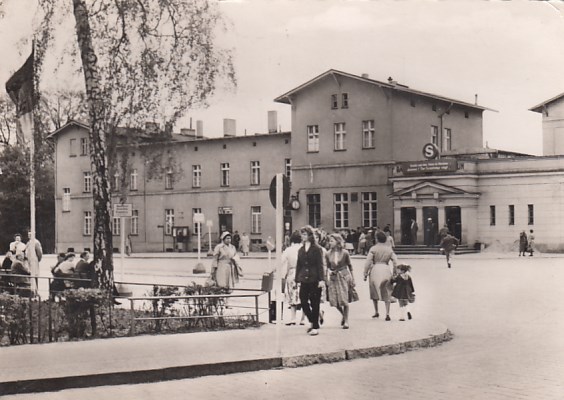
(209,224)
(122,211)
(199,218)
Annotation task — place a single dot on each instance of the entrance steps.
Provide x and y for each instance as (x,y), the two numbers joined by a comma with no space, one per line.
(422,249)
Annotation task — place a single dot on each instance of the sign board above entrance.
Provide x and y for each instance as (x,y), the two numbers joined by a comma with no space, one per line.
(429,166)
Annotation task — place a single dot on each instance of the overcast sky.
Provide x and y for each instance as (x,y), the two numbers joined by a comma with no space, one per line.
(510,53)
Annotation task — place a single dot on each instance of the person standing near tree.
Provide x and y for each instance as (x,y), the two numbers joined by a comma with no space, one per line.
(17,246)
(22,284)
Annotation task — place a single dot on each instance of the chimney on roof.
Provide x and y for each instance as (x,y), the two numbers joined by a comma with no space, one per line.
(272,121)
(229,127)
(391,81)
(199,129)
(365,75)
(476,99)
(188,132)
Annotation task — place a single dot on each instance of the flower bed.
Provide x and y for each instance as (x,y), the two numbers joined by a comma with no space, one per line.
(82,314)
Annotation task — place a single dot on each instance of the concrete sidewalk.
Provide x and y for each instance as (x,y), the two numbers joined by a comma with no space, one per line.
(57,366)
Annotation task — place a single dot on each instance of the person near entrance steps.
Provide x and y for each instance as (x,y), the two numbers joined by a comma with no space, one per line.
(523,243)
(413,230)
(531,243)
(449,245)
(310,276)
(443,232)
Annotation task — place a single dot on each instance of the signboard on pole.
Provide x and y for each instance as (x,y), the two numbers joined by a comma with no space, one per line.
(123,210)
(199,218)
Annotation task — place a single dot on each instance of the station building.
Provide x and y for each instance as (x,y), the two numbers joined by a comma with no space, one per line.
(358,155)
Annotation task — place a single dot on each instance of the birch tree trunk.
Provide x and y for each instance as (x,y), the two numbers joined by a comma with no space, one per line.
(98,159)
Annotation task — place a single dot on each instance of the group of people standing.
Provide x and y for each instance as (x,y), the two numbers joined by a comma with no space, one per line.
(314,272)
(526,243)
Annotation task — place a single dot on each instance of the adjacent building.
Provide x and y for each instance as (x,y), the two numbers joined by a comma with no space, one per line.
(169,179)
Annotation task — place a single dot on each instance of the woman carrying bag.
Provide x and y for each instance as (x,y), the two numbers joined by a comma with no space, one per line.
(226,268)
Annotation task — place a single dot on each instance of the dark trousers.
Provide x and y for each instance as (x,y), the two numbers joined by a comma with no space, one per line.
(310,297)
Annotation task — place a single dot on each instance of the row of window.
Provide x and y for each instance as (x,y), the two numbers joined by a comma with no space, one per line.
(511,214)
(256,222)
(341,210)
(225,170)
(345,103)
(368,136)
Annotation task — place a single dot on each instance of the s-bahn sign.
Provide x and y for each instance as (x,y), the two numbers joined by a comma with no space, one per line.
(429,166)
(430,151)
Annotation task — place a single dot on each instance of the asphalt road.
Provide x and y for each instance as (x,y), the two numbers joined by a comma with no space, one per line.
(506,314)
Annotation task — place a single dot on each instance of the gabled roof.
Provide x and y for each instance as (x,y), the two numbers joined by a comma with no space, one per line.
(285,98)
(425,186)
(66,126)
(539,107)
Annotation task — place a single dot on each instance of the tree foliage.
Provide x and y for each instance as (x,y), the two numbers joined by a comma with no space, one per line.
(7,120)
(14,199)
(142,60)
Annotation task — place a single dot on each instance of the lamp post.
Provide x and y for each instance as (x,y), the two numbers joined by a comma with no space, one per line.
(209,224)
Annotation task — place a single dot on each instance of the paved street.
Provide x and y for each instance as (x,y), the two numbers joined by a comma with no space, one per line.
(506,315)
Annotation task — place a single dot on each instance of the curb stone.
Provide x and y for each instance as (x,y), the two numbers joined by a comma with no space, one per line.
(221,368)
(399,348)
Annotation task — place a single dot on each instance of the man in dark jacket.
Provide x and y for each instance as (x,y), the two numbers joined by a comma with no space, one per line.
(449,244)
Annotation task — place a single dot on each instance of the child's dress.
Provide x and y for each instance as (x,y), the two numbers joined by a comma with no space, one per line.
(403,289)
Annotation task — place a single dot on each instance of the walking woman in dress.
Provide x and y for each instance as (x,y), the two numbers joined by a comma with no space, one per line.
(377,268)
(289,261)
(310,276)
(339,277)
(226,269)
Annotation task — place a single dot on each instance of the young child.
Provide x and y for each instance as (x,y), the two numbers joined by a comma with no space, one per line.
(403,290)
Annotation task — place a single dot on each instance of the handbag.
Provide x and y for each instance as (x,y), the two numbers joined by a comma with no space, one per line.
(353,295)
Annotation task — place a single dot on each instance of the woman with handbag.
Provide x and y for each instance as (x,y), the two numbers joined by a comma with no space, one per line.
(340,280)
(226,269)
(377,268)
